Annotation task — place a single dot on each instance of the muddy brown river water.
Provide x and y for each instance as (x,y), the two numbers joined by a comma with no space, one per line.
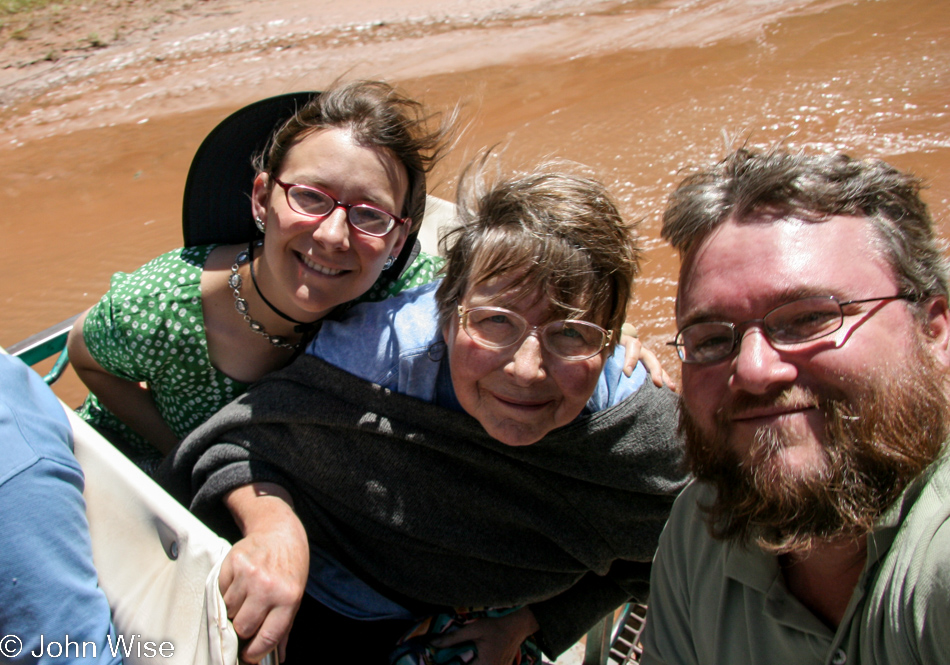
(95,148)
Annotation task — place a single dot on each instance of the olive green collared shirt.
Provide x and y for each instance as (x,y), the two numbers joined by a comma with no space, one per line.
(717,603)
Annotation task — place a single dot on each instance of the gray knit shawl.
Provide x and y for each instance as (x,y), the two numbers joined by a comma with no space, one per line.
(426,507)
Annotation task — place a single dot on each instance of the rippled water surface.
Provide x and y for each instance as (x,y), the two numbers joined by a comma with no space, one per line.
(95,152)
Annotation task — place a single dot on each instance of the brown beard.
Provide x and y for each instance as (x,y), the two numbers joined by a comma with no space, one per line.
(875,444)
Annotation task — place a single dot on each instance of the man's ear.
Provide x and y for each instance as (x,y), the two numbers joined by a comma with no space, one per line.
(938,328)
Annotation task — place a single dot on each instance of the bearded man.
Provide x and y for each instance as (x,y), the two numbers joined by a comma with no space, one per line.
(814,334)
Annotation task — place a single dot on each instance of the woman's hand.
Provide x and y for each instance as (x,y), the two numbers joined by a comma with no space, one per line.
(264,576)
(498,641)
(635,351)
(130,401)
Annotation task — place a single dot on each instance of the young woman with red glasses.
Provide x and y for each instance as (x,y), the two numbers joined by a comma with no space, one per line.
(339,189)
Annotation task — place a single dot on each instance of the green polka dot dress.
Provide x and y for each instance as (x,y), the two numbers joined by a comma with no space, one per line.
(149,328)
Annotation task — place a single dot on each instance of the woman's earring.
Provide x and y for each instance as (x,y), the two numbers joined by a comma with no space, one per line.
(259,223)
(389,262)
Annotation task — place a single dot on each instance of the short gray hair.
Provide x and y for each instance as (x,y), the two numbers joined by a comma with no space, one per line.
(560,232)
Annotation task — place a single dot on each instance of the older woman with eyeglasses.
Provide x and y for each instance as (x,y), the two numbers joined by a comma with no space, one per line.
(468,444)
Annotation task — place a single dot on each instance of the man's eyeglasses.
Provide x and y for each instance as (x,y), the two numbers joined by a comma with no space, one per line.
(315,202)
(569,339)
(794,322)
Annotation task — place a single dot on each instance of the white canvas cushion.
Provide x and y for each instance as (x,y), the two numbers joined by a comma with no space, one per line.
(136,530)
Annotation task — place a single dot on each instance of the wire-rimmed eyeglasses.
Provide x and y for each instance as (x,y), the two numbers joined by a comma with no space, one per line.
(314,202)
(795,322)
(499,328)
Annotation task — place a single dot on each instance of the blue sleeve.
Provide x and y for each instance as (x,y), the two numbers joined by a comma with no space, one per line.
(614,386)
(48,583)
(361,344)
(386,342)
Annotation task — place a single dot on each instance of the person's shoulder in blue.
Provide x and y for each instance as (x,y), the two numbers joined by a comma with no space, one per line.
(397,344)
(53,609)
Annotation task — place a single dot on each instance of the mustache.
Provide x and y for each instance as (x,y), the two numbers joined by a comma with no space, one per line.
(790,397)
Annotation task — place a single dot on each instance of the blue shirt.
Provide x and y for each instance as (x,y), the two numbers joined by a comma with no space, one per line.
(49,594)
(397,344)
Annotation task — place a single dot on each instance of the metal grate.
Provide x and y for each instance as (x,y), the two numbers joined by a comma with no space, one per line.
(625,648)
